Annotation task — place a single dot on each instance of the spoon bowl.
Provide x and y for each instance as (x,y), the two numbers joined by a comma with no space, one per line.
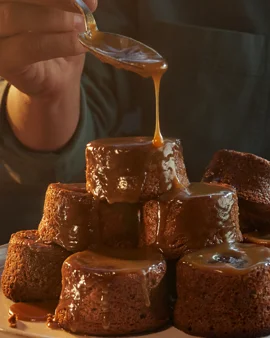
(118,50)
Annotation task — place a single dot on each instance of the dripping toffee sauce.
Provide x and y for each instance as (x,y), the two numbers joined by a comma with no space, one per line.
(146,64)
(132,56)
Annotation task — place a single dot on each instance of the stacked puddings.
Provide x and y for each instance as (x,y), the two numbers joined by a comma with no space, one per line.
(102,248)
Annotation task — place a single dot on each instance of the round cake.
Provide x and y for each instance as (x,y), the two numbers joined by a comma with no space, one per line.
(68,218)
(224,291)
(188,220)
(258,237)
(250,175)
(33,268)
(113,292)
(132,169)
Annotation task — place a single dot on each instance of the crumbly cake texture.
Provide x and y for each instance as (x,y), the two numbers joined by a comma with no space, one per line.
(67,217)
(216,305)
(250,175)
(32,270)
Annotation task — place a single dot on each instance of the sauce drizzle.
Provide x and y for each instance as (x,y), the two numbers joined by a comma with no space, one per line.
(128,54)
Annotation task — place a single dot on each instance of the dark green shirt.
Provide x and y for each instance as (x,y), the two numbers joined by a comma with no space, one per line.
(215,95)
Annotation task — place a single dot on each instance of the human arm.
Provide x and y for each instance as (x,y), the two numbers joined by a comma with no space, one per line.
(104,98)
(42,59)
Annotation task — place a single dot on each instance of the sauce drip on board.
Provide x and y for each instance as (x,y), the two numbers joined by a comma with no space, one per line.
(128,54)
(33,312)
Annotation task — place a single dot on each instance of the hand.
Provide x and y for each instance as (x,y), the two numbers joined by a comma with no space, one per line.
(39,50)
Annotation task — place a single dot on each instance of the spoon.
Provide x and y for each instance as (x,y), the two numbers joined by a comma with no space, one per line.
(118,50)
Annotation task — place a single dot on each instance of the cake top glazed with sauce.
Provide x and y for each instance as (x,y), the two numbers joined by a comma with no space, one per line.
(119,142)
(229,259)
(129,170)
(199,190)
(115,261)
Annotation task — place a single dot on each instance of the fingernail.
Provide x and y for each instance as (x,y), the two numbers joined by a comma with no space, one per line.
(92,4)
(79,22)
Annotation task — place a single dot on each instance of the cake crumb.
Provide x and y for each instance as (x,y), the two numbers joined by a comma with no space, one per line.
(51,323)
(12,320)
(50,318)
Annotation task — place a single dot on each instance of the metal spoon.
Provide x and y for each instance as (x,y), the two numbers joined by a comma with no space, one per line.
(118,50)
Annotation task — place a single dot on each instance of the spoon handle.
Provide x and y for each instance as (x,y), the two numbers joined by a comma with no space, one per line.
(90,22)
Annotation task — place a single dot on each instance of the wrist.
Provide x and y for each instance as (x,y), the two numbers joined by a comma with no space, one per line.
(44,122)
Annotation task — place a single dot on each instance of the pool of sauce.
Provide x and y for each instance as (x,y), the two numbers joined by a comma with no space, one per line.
(229,259)
(101,266)
(33,312)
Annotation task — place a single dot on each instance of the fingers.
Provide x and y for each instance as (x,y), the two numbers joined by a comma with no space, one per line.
(25,49)
(37,30)
(22,18)
(67,5)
